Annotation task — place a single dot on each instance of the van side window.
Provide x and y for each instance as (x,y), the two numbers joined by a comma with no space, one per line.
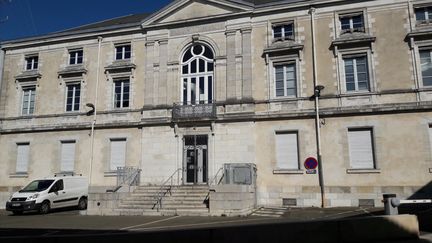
(58,186)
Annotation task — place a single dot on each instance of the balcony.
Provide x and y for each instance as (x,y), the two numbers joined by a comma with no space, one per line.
(194,111)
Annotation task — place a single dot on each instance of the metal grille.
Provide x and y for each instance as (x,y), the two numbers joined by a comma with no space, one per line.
(18,199)
(198,111)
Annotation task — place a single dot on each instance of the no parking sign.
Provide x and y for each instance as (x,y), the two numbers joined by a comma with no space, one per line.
(311,164)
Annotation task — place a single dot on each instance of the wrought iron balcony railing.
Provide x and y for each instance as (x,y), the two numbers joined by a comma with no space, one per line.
(193,111)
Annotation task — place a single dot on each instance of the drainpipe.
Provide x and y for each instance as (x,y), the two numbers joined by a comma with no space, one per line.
(412,46)
(95,110)
(317,89)
(2,56)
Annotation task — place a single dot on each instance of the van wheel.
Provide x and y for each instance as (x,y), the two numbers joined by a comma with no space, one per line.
(45,207)
(82,204)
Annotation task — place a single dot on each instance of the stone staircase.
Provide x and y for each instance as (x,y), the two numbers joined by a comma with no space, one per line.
(182,200)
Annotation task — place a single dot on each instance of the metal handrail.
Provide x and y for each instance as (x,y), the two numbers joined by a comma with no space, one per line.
(215,177)
(161,192)
(126,176)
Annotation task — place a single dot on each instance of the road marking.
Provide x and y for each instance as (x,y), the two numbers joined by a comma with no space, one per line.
(200,224)
(153,222)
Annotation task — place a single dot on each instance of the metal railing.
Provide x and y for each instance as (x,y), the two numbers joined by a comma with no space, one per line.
(166,188)
(215,180)
(193,111)
(127,175)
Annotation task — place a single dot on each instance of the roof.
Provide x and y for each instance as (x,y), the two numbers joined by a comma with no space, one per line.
(132,20)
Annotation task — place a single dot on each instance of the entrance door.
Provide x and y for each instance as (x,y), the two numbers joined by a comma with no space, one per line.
(195,159)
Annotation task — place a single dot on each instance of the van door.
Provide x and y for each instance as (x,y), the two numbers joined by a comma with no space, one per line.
(57,195)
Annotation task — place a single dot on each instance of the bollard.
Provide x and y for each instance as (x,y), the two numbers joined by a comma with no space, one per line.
(389,207)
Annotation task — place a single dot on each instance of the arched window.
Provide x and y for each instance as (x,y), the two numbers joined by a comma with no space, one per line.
(197,75)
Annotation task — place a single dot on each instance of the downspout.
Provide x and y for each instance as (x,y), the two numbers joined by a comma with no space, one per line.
(412,46)
(2,57)
(317,118)
(95,110)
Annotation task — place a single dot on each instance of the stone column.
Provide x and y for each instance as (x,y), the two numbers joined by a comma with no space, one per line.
(231,65)
(247,64)
(162,89)
(149,75)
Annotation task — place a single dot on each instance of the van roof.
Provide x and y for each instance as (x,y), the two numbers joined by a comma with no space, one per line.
(64,177)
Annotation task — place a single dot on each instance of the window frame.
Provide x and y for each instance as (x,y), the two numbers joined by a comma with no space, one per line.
(352,52)
(73,83)
(34,65)
(285,80)
(28,106)
(18,144)
(285,60)
(351,15)
(123,47)
(283,36)
(373,148)
(114,94)
(278,168)
(427,20)
(117,139)
(419,60)
(68,141)
(76,51)
(355,57)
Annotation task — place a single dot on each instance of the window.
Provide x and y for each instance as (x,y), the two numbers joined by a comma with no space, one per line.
(352,23)
(285,80)
(73,94)
(28,100)
(361,150)
(31,62)
(356,73)
(423,14)
(75,57)
(426,66)
(118,153)
(287,150)
(67,156)
(284,32)
(121,93)
(197,75)
(123,52)
(23,152)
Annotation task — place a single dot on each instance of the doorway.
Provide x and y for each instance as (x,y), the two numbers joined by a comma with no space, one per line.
(195,159)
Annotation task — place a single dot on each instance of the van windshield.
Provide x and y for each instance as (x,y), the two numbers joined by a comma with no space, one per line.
(37,186)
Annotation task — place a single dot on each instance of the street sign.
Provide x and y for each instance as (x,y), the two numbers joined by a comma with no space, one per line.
(311,163)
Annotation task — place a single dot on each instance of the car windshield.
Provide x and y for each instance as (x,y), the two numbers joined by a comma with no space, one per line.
(37,186)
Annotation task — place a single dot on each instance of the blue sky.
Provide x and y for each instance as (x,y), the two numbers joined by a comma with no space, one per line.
(37,17)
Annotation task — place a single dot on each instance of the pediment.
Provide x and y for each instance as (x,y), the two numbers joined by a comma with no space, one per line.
(195,9)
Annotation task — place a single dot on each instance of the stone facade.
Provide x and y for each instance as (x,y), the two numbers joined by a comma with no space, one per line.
(397,106)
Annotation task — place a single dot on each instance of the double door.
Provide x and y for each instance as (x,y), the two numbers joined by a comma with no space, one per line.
(195,159)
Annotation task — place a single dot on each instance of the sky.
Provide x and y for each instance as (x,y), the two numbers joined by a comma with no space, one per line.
(25,18)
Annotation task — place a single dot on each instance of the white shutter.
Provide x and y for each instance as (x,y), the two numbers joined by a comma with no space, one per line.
(23,151)
(360,149)
(287,151)
(118,153)
(67,156)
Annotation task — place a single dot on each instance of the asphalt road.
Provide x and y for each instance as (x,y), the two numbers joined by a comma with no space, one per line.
(71,222)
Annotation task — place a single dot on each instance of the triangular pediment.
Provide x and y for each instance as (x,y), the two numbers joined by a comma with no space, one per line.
(183,10)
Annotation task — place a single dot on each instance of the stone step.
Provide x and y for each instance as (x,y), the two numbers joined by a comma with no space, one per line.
(163,203)
(164,207)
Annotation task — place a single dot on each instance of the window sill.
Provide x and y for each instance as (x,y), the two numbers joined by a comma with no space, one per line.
(288,171)
(363,171)
(18,175)
(110,174)
(356,93)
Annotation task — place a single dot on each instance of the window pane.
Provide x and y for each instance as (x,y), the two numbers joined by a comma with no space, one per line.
(185,91)
(72,60)
(193,90)
(210,89)
(288,31)
(201,65)
(357,22)
(363,85)
(35,64)
(127,52)
(208,53)
(210,67)
(420,14)
(119,52)
(193,66)
(277,32)
(350,86)
(187,55)
(345,23)
(185,69)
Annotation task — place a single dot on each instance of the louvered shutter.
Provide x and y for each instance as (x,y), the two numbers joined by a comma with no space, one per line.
(287,151)
(360,149)
(118,154)
(67,156)
(23,151)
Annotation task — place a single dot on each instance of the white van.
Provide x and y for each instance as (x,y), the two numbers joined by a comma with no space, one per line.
(44,194)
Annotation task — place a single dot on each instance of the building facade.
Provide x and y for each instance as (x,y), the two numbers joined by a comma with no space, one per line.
(200,84)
